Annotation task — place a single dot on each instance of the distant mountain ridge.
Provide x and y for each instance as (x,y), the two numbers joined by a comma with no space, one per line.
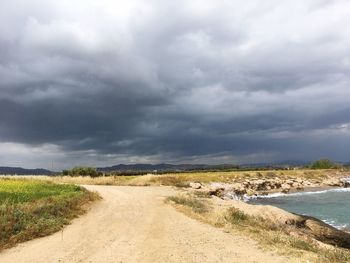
(164,167)
(4,170)
(292,163)
(189,167)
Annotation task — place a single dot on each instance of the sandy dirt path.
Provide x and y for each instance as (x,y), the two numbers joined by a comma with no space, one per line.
(133,224)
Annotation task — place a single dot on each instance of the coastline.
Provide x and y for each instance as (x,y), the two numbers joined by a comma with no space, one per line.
(305,194)
(308,227)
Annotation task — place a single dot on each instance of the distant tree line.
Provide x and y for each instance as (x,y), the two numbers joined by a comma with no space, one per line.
(93,172)
(82,171)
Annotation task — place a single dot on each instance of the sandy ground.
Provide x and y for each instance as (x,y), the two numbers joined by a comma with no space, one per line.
(133,224)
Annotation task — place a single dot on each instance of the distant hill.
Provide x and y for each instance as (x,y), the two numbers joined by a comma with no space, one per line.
(164,167)
(289,163)
(22,171)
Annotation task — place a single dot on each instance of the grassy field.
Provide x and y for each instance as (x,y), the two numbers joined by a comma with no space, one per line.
(183,179)
(33,208)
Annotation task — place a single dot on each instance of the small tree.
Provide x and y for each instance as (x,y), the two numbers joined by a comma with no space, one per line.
(323,164)
(82,171)
(65,172)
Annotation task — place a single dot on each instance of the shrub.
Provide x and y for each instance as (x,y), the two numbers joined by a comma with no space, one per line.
(323,164)
(81,171)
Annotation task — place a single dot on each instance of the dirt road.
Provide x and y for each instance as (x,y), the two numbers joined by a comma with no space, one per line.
(133,224)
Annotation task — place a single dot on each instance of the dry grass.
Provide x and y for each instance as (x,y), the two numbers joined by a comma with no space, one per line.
(183,179)
(196,205)
(270,236)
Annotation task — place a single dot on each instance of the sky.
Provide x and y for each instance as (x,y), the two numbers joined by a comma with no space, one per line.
(106,82)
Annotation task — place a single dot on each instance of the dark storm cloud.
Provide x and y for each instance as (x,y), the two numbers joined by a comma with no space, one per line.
(170,81)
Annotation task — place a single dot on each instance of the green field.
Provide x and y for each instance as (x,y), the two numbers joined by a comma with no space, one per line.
(31,208)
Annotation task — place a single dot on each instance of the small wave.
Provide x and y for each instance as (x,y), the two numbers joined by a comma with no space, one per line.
(233,196)
(275,195)
(332,223)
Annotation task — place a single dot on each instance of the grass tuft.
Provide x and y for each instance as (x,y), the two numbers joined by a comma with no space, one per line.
(196,205)
(235,216)
(302,245)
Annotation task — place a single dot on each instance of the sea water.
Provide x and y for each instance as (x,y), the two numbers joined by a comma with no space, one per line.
(331,206)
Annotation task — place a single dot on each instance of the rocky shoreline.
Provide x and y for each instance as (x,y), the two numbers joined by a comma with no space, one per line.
(305,227)
(265,186)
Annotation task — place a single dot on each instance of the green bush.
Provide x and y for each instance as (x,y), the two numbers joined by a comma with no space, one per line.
(323,164)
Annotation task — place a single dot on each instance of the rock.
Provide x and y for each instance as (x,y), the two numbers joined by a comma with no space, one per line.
(289,181)
(217,189)
(277,183)
(285,188)
(237,185)
(346,184)
(333,182)
(259,182)
(299,180)
(250,192)
(296,185)
(221,186)
(327,234)
(307,183)
(195,185)
(239,189)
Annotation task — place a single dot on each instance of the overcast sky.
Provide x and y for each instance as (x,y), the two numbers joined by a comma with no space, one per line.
(103,82)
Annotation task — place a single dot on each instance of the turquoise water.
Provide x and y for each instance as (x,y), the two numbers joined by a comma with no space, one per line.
(331,206)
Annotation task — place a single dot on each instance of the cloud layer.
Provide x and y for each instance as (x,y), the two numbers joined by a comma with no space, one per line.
(103,82)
